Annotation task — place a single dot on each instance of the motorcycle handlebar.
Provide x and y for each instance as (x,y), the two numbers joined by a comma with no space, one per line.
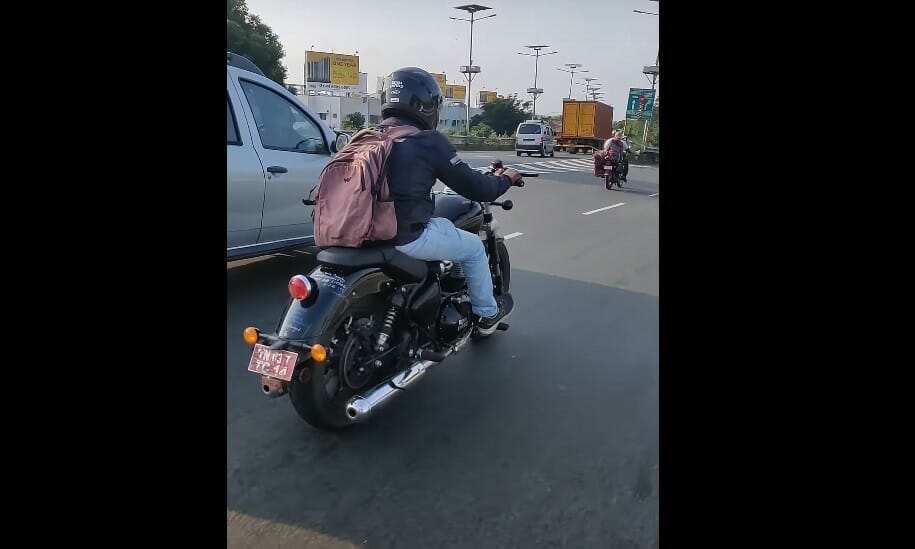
(520,182)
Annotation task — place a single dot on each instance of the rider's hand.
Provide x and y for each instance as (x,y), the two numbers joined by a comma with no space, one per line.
(512,174)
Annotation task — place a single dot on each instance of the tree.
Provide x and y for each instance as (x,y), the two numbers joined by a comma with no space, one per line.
(480,130)
(503,115)
(249,37)
(353,121)
(635,129)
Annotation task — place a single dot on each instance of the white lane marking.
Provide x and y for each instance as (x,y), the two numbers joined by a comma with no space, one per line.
(574,163)
(602,209)
(532,168)
(513,235)
(569,164)
(519,167)
(655,194)
(559,167)
(301,252)
(284,255)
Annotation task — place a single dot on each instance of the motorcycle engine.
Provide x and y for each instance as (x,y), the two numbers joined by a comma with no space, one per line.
(455,317)
(453,281)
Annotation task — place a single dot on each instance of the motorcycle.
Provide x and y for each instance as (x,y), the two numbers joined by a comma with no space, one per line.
(366,323)
(613,171)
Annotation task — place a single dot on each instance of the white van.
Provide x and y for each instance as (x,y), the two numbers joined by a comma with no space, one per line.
(534,136)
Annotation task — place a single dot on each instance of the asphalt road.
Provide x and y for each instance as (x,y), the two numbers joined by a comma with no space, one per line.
(543,436)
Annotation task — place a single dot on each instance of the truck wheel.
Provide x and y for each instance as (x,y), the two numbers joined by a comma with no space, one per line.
(518,153)
(573,150)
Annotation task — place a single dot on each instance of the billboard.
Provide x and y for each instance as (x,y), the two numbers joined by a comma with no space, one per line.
(440,78)
(455,91)
(331,71)
(487,96)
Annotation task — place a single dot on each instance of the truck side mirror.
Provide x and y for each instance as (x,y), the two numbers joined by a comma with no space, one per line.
(340,142)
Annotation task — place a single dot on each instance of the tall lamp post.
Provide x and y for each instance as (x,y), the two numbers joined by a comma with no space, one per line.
(470,70)
(587,85)
(535,91)
(572,67)
(654,71)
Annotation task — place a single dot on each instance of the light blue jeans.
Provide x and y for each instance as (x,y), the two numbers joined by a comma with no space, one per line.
(442,241)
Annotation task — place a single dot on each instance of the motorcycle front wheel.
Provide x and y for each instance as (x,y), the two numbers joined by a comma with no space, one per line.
(505,269)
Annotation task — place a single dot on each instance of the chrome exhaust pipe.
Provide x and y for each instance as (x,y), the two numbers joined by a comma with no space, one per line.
(360,407)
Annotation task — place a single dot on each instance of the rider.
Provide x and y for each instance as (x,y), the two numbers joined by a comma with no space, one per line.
(615,147)
(412,97)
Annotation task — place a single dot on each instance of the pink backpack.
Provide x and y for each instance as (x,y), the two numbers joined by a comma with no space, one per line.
(353,205)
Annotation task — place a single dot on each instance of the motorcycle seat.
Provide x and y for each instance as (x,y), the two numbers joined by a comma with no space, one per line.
(397,265)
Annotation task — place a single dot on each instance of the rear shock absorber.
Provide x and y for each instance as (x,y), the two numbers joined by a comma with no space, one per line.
(389,319)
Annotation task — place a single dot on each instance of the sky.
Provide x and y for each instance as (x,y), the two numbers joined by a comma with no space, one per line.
(605,37)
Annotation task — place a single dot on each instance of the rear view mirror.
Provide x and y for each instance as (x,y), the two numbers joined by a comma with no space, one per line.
(342,140)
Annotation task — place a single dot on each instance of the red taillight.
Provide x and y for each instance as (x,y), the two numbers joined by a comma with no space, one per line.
(299,287)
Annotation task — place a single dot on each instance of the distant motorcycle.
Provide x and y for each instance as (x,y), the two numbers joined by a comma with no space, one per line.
(613,171)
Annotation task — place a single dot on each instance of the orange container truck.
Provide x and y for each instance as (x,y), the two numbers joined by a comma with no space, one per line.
(585,126)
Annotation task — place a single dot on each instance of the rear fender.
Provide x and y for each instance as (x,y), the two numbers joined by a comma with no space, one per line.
(336,294)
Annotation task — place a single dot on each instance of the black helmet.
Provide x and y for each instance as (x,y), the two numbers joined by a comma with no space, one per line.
(414,94)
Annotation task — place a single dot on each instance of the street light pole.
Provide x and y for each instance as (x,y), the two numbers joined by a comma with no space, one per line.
(535,91)
(653,71)
(587,84)
(572,67)
(469,71)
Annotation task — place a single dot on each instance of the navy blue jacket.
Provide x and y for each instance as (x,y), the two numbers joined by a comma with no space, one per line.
(414,165)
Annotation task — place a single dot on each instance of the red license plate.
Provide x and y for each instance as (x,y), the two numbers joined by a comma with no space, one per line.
(272,362)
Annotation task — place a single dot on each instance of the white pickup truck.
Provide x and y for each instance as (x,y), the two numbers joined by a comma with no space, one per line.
(276,148)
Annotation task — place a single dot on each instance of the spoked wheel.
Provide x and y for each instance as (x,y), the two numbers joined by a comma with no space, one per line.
(608,182)
(356,364)
(503,285)
(320,391)
(505,267)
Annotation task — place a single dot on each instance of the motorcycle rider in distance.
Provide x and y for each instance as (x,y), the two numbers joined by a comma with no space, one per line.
(411,96)
(615,148)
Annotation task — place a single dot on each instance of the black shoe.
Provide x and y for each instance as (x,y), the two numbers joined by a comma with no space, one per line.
(488,325)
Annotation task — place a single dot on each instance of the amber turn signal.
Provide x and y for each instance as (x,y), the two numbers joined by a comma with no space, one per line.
(318,352)
(251,335)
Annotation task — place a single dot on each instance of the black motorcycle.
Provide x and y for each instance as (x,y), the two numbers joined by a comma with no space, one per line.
(366,323)
(613,171)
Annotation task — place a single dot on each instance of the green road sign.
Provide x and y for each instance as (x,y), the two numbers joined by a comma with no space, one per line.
(640,104)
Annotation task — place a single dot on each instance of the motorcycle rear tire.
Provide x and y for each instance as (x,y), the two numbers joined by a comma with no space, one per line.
(310,399)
